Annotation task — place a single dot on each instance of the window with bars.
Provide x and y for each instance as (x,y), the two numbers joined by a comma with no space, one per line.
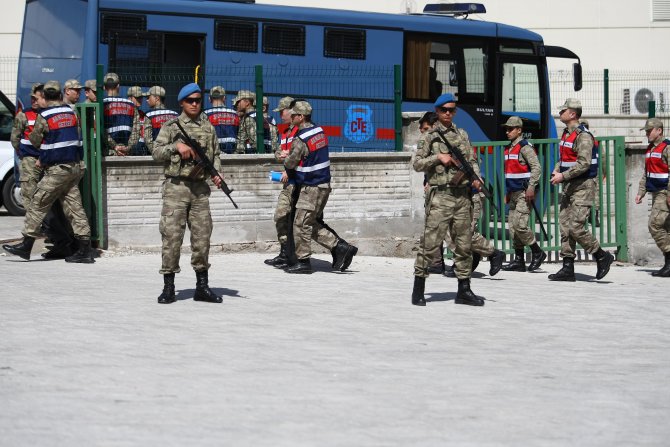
(112,24)
(284,39)
(231,35)
(344,43)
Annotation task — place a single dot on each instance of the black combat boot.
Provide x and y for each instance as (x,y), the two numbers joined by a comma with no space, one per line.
(22,249)
(664,272)
(496,260)
(603,260)
(476,257)
(280,259)
(567,273)
(518,264)
(302,266)
(202,290)
(418,291)
(465,295)
(343,253)
(449,271)
(538,257)
(83,255)
(168,295)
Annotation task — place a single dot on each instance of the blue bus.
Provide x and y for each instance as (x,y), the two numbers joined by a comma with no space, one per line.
(495,70)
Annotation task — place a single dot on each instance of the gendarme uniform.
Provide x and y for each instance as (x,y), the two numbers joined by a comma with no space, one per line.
(655,181)
(119,114)
(154,120)
(579,165)
(450,205)
(226,122)
(310,159)
(28,154)
(56,135)
(185,193)
(522,173)
(283,209)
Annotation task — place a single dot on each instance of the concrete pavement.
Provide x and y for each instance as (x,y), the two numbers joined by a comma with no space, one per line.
(87,357)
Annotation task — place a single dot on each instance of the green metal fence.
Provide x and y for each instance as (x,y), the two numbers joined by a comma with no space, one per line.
(608,217)
(91,187)
(358,107)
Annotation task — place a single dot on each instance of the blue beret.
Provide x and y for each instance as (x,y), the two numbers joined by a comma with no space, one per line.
(188,90)
(443,99)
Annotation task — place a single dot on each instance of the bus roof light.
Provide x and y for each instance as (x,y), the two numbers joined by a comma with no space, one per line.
(454,9)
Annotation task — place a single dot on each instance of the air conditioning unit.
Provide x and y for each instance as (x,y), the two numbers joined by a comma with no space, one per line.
(636,99)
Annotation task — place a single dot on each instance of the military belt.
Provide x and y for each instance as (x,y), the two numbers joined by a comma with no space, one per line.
(450,187)
(180,180)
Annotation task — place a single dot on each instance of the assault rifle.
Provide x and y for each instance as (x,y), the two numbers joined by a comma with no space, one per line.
(206,162)
(467,169)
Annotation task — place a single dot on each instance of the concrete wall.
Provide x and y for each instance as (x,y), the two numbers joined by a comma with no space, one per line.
(377,202)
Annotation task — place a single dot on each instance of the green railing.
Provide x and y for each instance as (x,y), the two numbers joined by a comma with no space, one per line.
(608,217)
(91,186)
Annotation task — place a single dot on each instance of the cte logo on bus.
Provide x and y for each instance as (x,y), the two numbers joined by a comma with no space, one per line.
(359,127)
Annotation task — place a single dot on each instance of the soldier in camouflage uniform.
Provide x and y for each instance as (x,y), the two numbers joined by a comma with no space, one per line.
(186,193)
(157,116)
(578,170)
(522,175)
(655,180)
(136,95)
(246,136)
(449,206)
(118,116)
(283,209)
(24,122)
(56,135)
(310,159)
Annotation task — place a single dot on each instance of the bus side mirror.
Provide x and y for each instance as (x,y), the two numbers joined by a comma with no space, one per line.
(577,75)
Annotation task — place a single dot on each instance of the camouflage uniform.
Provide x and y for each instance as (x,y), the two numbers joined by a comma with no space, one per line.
(60,182)
(309,207)
(519,211)
(480,244)
(30,173)
(284,202)
(577,199)
(450,205)
(246,137)
(659,217)
(185,193)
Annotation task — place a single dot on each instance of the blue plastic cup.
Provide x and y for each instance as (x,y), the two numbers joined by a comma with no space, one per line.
(275,176)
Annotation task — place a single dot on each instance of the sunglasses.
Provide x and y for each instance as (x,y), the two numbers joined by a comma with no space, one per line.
(447,109)
(193,101)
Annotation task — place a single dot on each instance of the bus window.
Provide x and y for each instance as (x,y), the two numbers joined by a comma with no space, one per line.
(344,43)
(520,89)
(284,39)
(230,35)
(475,70)
(443,77)
(134,56)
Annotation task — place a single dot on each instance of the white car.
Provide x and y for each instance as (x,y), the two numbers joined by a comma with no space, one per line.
(10,192)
